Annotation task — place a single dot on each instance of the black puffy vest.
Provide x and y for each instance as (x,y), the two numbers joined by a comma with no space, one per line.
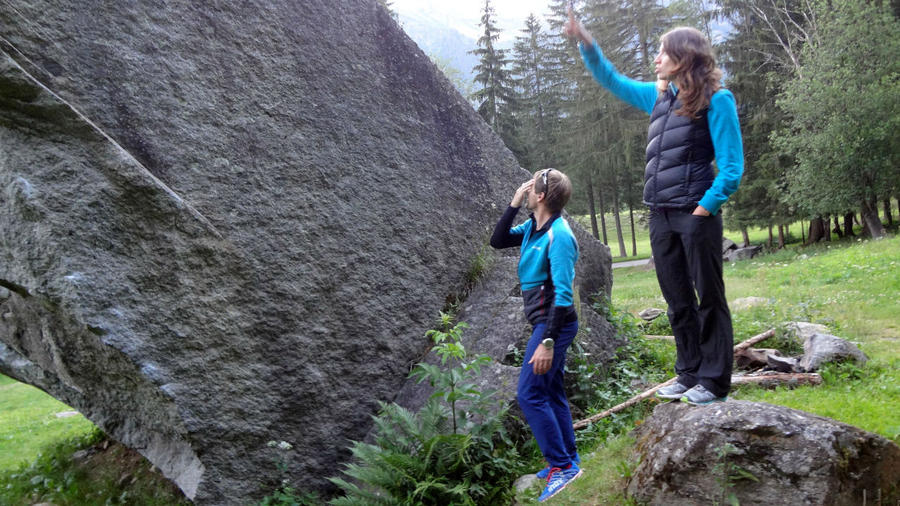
(679,156)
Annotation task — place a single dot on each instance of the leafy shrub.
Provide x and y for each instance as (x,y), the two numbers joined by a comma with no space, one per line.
(455,450)
(639,362)
(659,326)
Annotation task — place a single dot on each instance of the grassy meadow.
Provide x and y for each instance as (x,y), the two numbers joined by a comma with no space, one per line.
(851,286)
(29,421)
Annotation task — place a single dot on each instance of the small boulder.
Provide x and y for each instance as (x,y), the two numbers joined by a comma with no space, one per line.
(699,455)
(526,482)
(782,364)
(651,313)
(728,244)
(741,253)
(820,348)
(747,303)
(803,330)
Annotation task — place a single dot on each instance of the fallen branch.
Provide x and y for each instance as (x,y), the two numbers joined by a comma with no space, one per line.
(668,338)
(768,380)
(647,393)
(630,402)
(755,339)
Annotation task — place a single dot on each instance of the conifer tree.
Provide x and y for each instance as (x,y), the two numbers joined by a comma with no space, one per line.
(535,111)
(496,95)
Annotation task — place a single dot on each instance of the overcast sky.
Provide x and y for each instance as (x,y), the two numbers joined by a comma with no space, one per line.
(464,15)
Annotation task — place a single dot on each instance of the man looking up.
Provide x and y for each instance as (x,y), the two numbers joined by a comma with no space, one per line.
(546,270)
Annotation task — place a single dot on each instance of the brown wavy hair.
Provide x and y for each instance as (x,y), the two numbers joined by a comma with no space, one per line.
(695,74)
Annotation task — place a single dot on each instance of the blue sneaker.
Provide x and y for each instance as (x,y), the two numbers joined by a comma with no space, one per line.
(558,479)
(700,396)
(542,474)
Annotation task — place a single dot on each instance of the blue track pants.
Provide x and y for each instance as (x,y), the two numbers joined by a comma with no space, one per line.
(543,398)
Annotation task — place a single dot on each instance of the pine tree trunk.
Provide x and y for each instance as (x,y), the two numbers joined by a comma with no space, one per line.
(871,224)
(826,229)
(602,215)
(633,236)
(619,236)
(746,235)
(848,225)
(780,236)
(837,227)
(802,233)
(816,230)
(887,212)
(771,238)
(593,211)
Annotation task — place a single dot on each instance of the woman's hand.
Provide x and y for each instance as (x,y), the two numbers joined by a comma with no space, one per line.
(522,193)
(700,211)
(542,359)
(574,29)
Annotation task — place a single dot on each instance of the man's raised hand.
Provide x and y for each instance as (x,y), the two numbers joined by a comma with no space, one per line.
(521,193)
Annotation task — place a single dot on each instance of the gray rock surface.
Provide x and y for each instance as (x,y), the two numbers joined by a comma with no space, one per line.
(782,364)
(744,303)
(230,223)
(821,348)
(651,313)
(728,244)
(733,255)
(797,457)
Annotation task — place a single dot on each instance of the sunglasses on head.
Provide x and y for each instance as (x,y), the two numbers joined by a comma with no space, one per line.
(544,178)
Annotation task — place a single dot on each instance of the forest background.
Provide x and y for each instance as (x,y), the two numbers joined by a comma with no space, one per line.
(817,85)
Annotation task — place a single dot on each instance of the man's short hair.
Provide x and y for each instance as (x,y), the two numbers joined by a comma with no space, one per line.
(558,188)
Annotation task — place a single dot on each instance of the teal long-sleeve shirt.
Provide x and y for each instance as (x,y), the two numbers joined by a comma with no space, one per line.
(724,127)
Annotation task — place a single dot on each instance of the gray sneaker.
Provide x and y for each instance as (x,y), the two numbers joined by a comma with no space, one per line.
(673,391)
(700,396)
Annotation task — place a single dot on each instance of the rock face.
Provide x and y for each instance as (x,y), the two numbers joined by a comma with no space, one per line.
(228,224)
(797,458)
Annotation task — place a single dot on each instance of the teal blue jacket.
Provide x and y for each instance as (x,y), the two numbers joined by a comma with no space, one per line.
(546,266)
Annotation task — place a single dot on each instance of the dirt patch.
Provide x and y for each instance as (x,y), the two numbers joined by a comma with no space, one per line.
(127,470)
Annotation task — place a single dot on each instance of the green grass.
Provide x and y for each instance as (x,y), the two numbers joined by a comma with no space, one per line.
(606,470)
(106,473)
(28,422)
(852,287)
(36,464)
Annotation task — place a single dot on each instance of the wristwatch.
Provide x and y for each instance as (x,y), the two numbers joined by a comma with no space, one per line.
(548,343)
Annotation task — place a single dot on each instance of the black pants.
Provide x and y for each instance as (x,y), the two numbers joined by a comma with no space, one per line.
(687,250)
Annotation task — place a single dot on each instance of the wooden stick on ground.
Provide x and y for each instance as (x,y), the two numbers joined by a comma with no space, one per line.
(755,339)
(647,393)
(779,378)
(630,402)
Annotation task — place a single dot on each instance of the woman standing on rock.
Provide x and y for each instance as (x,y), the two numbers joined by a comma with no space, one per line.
(693,121)
(546,270)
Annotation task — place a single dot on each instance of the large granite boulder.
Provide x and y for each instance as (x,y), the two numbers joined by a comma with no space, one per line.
(229,223)
(763,455)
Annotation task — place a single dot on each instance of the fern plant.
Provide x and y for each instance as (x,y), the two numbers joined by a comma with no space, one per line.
(454,450)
